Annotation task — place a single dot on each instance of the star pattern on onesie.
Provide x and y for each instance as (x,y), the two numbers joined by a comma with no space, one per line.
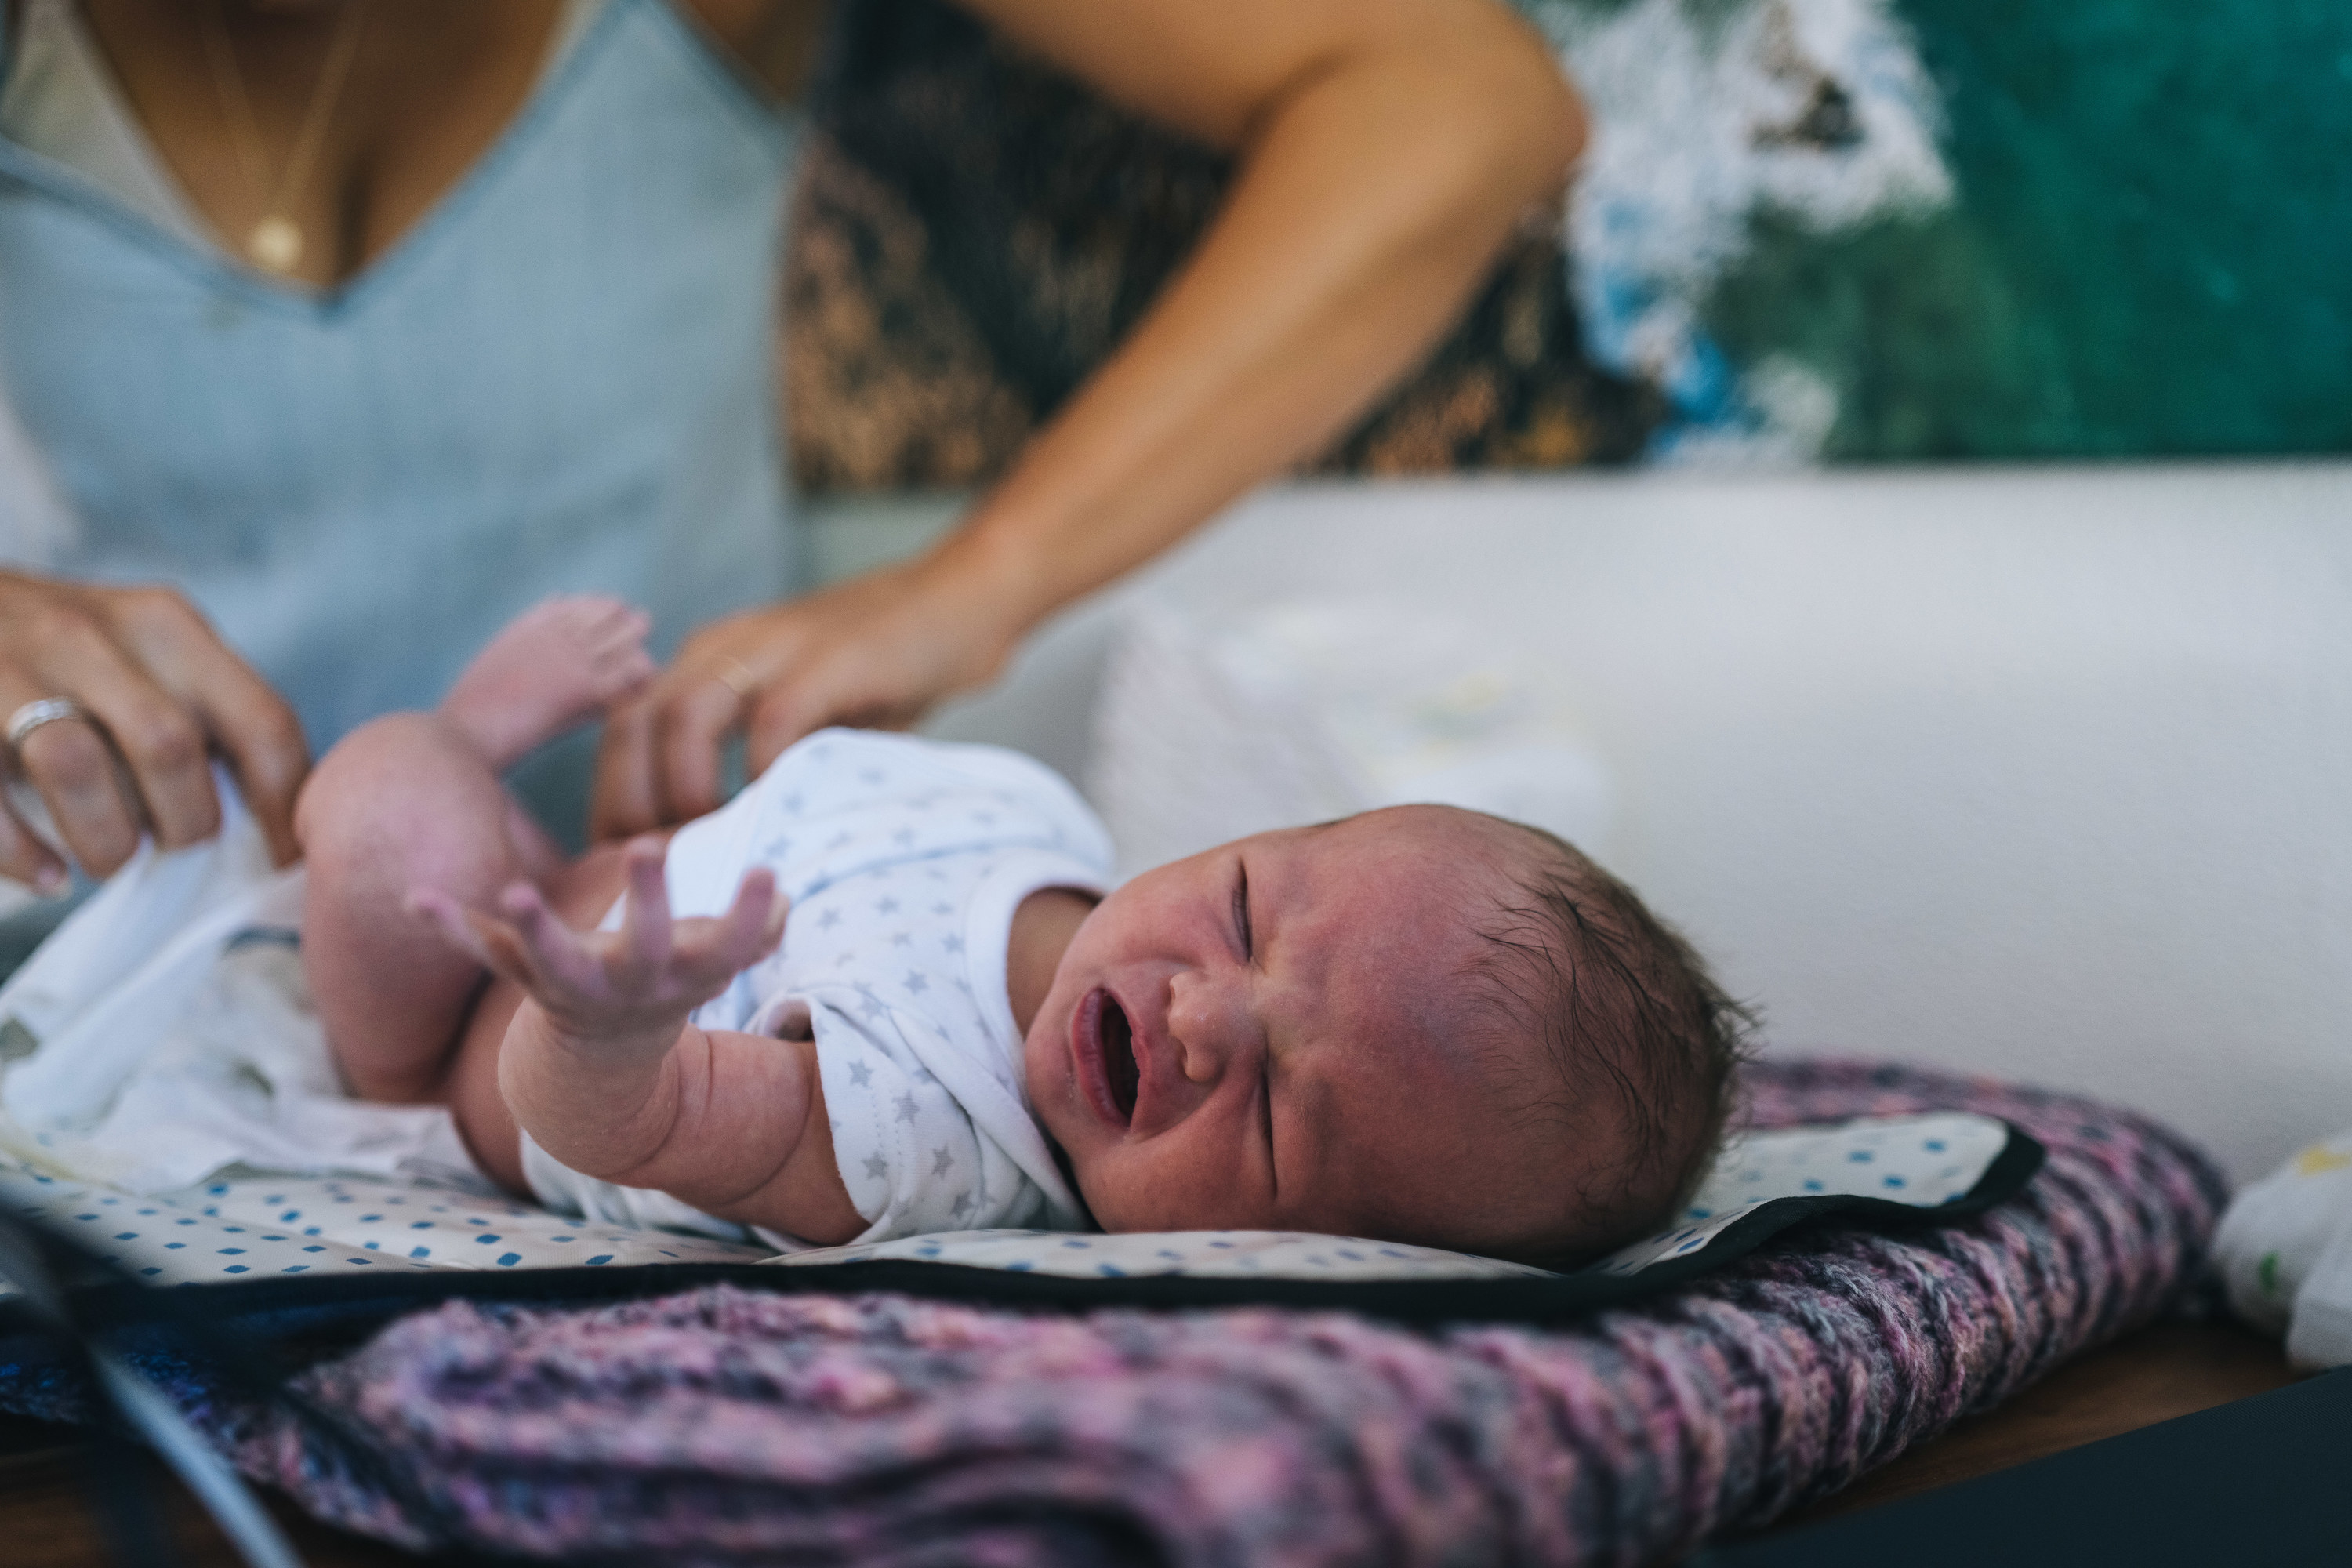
(896,855)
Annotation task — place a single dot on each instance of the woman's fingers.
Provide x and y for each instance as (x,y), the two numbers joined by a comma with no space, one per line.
(251,724)
(158,692)
(621,802)
(658,764)
(811,697)
(69,766)
(162,744)
(53,648)
(878,650)
(25,859)
(693,714)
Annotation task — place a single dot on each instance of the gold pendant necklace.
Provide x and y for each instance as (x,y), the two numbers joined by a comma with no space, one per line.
(276,242)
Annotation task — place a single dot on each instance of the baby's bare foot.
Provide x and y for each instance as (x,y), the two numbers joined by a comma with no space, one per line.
(554,666)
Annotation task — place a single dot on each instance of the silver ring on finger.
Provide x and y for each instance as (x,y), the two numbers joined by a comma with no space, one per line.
(40,711)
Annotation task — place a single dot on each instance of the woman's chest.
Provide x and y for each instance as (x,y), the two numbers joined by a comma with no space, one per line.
(311,138)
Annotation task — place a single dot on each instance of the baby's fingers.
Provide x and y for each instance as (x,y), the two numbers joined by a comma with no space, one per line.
(560,958)
(645,921)
(453,921)
(487,940)
(712,952)
(752,926)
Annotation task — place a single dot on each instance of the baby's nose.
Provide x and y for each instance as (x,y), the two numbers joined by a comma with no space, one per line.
(1209,1024)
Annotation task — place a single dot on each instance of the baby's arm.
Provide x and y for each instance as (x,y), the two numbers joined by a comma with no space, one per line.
(602,1067)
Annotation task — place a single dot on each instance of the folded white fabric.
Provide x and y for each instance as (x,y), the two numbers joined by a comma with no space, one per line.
(2286,1253)
(165,1033)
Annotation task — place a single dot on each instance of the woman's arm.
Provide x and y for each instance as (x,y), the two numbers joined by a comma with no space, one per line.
(1387,148)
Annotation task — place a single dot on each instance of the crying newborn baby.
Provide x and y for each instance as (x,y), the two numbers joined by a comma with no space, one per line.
(888,990)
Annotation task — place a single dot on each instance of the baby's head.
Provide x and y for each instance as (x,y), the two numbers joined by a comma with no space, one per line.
(1421,1024)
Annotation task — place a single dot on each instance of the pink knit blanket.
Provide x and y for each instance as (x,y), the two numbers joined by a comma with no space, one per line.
(730,1425)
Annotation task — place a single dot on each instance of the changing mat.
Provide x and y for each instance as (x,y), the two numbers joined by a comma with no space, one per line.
(1897,1170)
(788,1416)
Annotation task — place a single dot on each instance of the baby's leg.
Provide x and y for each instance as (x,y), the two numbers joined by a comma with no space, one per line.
(413,801)
(401,803)
(553,668)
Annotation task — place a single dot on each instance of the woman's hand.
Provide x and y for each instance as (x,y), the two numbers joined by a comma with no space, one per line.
(158,693)
(877,651)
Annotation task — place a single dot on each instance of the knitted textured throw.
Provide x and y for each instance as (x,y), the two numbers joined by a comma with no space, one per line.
(730,1425)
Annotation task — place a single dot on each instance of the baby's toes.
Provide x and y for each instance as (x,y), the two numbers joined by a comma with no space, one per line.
(616,627)
(592,621)
(614,671)
(609,640)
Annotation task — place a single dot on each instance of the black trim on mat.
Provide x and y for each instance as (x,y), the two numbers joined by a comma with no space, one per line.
(332,1303)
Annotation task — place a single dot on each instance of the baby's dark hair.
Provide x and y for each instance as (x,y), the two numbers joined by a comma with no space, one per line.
(1627,1017)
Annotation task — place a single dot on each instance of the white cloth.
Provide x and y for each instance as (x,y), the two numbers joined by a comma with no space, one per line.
(165,1033)
(905,860)
(2285,1250)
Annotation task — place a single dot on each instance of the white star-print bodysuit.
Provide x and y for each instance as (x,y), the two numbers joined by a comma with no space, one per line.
(905,860)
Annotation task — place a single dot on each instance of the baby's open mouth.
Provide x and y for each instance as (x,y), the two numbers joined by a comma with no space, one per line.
(1117,1037)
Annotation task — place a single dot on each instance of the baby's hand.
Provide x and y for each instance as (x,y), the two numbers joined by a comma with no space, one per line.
(627,989)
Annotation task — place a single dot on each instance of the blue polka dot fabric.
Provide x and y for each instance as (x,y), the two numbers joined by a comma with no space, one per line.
(277,1225)
(1923,1162)
(239,1229)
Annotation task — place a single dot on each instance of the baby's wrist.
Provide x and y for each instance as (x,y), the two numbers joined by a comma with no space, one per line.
(591,1049)
(588,1098)
(607,1044)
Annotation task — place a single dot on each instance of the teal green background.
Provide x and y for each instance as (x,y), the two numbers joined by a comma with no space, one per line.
(2150,252)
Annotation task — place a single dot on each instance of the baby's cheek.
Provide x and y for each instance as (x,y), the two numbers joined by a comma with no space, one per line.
(1126,1195)
(1107,1197)
(1171,1196)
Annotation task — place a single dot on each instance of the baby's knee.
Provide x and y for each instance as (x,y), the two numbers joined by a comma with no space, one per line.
(400,798)
(352,779)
